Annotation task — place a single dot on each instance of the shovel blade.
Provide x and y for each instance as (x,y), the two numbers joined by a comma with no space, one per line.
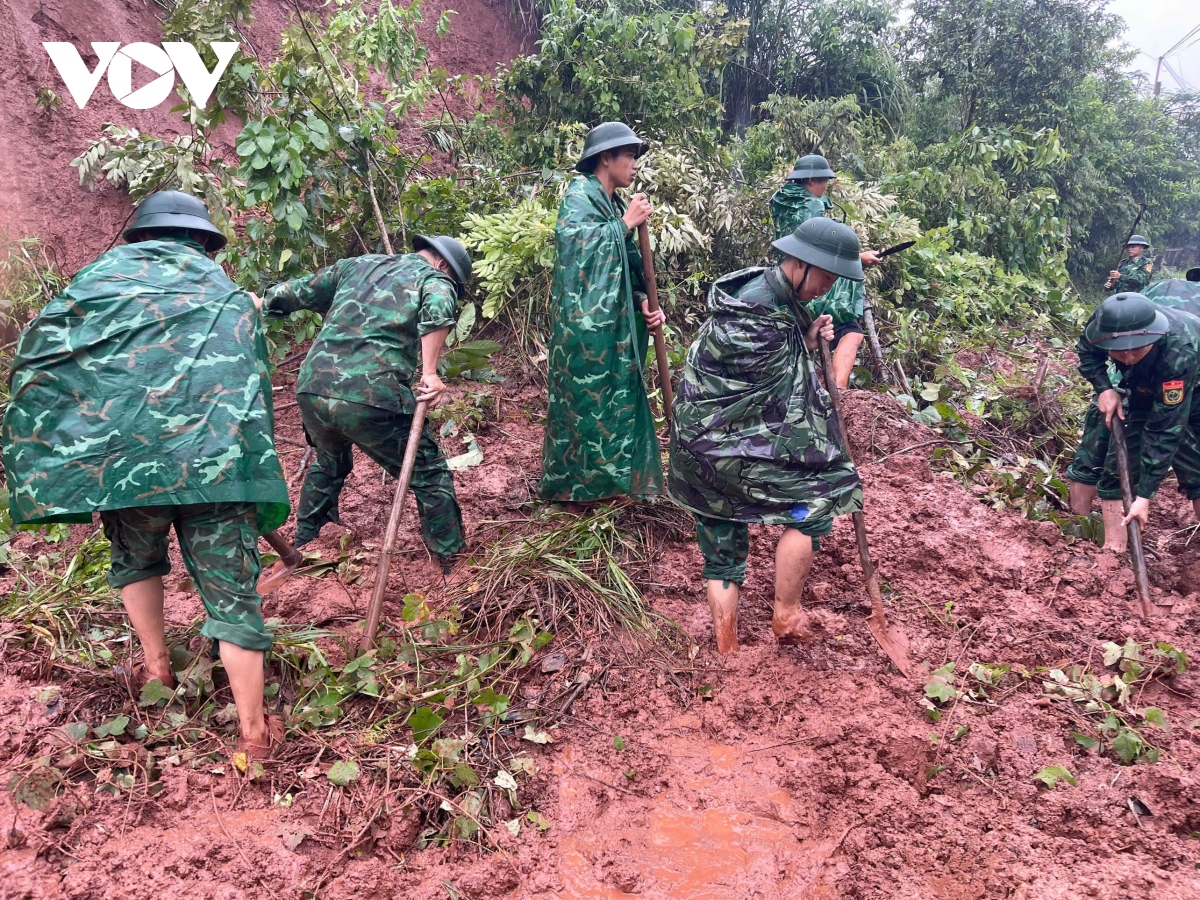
(276,578)
(892,640)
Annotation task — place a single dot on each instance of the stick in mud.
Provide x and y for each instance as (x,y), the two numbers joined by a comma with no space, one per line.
(393,526)
(873,340)
(1136,553)
(893,641)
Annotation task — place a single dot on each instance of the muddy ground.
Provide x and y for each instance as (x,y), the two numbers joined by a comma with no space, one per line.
(778,773)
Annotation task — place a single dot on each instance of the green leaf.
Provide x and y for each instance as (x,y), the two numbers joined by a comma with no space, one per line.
(940,686)
(343,772)
(424,723)
(112,728)
(618,743)
(154,692)
(537,737)
(1155,716)
(1051,775)
(1084,741)
(1128,745)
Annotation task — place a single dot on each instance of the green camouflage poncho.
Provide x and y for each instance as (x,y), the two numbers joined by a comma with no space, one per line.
(1175,293)
(145,383)
(793,205)
(753,438)
(599,440)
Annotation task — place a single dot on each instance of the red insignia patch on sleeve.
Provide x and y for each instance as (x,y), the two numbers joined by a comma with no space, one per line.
(1172,393)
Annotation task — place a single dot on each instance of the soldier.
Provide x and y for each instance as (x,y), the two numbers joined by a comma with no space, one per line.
(1155,351)
(801,198)
(143,392)
(753,437)
(600,440)
(354,385)
(1133,272)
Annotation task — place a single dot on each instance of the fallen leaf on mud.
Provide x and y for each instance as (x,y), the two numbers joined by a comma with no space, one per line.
(513,826)
(473,457)
(537,819)
(555,662)
(343,772)
(239,761)
(505,781)
(1051,775)
(537,737)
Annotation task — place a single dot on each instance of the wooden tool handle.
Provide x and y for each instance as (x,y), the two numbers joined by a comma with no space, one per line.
(290,555)
(375,611)
(1136,553)
(660,342)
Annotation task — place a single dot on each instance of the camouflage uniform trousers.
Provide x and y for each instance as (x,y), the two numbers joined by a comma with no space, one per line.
(334,427)
(726,544)
(220,551)
(1095,463)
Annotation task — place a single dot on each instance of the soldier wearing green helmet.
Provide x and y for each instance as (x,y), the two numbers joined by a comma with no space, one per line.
(600,440)
(802,197)
(143,393)
(753,437)
(355,385)
(1154,353)
(1132,274)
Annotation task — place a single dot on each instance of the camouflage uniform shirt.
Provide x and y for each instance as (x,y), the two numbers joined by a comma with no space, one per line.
(1135,274)
(376,308)
(753,437)
(793,205)
(1159,391)
(145,383)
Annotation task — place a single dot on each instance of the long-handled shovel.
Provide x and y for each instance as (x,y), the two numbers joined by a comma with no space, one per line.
(389,538)
(1136,553)
(289,559)
(660,342)
(893,640)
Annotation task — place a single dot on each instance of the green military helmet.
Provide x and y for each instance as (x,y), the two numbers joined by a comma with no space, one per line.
(1126,321)
(1136,240)
(174,209)
(827,245)
(449,249)
(811,166)
(1192,274)
(607,136)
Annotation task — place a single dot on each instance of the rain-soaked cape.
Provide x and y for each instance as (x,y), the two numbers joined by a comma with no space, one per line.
(753,437)
(1175,293)
(599,440)
(145,383)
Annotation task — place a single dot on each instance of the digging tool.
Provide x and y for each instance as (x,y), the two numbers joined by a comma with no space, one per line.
(393,526)
(660,342)
(1132,229)
(289,559)
(1136,553)
(899,248)
(893,640)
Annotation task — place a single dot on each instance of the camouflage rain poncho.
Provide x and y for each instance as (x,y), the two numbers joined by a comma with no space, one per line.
(1175,293)
(145,383)
(599,440)
(793,205)
(753,438)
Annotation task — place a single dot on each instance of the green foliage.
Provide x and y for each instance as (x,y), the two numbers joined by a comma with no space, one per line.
(1052,775)
(513,257)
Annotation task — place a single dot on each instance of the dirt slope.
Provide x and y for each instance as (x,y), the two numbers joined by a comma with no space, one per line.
(39,191)
(780,773)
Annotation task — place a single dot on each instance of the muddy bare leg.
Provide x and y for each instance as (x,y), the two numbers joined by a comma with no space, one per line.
(1116,537)
(844,356)
(1081,497)
(245,671)
(144,605)
(723,601)
(793,562)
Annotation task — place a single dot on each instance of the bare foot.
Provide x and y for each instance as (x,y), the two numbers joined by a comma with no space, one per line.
(794,629)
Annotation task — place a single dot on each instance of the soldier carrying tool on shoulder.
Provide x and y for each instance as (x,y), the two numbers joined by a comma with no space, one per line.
(802,197)
(143,392)
(354,385)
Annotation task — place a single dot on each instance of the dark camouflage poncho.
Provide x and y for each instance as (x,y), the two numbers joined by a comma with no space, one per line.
(793,205)
(1159,390)
(599,440)
(753,438)
(145,383)
(376,308)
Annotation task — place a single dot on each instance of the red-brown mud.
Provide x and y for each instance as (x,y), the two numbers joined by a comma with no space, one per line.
(776,773)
